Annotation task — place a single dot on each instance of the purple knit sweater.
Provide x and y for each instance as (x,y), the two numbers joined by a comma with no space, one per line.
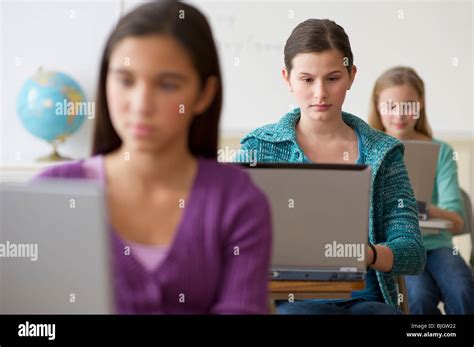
(218,261)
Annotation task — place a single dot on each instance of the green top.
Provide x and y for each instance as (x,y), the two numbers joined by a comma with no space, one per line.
(393,213)
(446,194)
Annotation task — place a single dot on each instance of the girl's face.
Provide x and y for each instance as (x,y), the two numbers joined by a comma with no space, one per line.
(399,108)
(320,81)
(153,92)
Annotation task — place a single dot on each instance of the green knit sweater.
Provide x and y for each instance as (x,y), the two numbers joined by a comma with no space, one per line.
(393,216)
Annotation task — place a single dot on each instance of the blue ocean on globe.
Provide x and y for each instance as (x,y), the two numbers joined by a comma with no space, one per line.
(52,106)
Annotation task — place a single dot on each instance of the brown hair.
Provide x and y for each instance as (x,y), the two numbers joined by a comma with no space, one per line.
(318,35)
(189,27)
(397,76)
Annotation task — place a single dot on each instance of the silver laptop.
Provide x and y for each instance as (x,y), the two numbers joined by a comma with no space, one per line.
(320,215)
(54,256)
(421,158)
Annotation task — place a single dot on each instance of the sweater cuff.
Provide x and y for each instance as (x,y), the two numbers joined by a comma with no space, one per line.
(408,258)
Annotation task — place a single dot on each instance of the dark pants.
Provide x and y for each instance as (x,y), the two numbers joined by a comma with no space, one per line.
(344,307)
(446,278)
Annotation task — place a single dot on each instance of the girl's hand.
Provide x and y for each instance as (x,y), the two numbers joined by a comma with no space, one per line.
(435,212)
(384,260)
(458,222)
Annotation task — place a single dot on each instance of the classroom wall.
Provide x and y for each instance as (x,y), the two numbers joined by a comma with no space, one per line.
(433,37)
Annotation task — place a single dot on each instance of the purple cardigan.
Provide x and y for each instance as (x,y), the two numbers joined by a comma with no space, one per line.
(219,258)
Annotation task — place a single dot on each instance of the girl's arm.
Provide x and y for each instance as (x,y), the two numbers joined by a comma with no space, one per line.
(402,252)
(450,204)
(458,222)
(246,247)
(68,170)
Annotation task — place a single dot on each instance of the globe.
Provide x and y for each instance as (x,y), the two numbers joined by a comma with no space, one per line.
(52,106)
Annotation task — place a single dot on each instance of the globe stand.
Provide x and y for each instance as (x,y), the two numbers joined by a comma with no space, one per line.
(54,156)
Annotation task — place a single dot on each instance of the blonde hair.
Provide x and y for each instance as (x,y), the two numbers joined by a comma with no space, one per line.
(397,76)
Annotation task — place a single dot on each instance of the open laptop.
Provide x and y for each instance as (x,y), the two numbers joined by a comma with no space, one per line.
(421,158)
(320,215)
(54,256)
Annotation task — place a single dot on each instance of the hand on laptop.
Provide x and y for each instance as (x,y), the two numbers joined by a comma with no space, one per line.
(458,223)
(384,261)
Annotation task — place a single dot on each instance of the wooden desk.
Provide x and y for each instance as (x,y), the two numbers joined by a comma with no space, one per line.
(280,290)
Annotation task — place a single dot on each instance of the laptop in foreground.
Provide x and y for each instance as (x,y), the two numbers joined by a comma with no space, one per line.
(54,256)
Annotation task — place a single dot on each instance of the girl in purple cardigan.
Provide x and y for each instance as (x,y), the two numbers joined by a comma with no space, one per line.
(188,235)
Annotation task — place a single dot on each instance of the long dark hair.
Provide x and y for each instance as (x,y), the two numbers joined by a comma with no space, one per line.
(317,35)
(189,27)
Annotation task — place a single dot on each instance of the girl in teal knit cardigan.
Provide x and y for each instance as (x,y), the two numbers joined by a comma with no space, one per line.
(447,277)
(318,71)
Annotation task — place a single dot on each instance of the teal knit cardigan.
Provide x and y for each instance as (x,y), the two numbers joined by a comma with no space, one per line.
(393,216)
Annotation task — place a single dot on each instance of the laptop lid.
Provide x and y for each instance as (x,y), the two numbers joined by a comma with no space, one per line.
(320,216)
(54,249)
(421,158)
